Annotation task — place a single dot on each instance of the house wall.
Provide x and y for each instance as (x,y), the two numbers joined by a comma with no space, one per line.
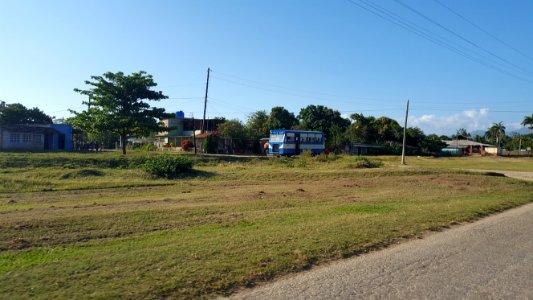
(493,151)
(13,140)
(65,130)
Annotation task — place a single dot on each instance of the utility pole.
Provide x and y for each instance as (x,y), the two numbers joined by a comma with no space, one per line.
(520,145)
(205,99)
(405,132)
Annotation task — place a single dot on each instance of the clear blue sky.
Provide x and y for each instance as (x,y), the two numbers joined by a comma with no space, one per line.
(288,52)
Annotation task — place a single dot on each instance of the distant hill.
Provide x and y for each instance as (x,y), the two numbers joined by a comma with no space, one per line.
(520,131)
(510,133)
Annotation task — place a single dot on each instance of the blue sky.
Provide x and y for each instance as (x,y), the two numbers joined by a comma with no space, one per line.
(269,53)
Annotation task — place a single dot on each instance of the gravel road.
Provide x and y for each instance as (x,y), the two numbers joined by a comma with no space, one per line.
(489,259)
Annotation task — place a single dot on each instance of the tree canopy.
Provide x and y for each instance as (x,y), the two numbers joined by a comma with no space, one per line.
(496,132)
(258,124)
(117,103)
(461,132)
(528,121)
(232,129)
(321,118)
(280,118)
(17,113)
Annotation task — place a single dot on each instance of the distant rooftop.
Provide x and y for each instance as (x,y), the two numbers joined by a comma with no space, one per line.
(465,143)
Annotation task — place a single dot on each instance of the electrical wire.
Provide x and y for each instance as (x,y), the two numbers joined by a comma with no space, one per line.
(432,37)
(462,37)
(483,30)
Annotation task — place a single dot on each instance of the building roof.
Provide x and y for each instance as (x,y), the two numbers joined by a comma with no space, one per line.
(33,128)
(465,143)
(206,134)
(366,145)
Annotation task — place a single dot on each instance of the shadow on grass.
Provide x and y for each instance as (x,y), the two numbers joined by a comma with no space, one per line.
(495,174)
(194,174)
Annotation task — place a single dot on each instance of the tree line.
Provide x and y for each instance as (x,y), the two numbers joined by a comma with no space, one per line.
(496,135)
(340,132)
(117,105)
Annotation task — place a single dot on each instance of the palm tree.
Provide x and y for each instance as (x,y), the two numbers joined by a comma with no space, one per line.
(461,132)
(496,132)
(528,121)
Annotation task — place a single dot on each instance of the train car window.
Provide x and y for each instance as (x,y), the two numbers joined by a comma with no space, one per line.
(289,137)
(276,138)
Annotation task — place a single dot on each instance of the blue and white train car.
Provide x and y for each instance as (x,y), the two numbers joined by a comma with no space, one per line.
(292,142)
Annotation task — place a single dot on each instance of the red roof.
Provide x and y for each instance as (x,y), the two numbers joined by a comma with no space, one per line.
(206,134)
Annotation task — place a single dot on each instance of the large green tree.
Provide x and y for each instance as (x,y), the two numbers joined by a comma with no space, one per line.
(388,130)
(257,124)
(281,118)
(362,129)
(431,144)
(233,129)
(327,120)
(236,132)
(118,103)
(17,113)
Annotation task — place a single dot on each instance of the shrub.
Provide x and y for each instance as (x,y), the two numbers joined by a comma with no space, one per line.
(143,147)
(167,166)
(210,145)
(186,145)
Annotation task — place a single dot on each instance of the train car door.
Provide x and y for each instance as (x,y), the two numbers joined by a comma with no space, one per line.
(297,143)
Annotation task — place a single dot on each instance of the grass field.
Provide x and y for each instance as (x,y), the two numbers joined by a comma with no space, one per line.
(87,226)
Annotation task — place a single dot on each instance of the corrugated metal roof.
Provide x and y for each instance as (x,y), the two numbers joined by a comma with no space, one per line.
(465,143)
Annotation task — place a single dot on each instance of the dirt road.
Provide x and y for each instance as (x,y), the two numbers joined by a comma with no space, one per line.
(491,258)
(512,174)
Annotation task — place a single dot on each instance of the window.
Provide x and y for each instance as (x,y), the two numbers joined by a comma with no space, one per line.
(289,137)
(276,138)
(26,138)
(14,138)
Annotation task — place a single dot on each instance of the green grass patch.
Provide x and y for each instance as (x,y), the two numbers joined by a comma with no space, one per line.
(87,231)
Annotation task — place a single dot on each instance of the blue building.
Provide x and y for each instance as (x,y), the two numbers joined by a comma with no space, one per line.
(31,137)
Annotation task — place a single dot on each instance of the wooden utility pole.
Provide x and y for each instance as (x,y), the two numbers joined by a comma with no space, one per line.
(405,132)
(205,100)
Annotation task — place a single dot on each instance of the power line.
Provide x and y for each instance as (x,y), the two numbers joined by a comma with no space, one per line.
(309,97)
(483,30)
(435,38)
(355,99)
(462,37)
(184,98)
(290,89)
(438,39)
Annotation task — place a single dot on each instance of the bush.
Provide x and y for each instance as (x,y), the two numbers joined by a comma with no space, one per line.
(143,147)
(167,166)
(210,145)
